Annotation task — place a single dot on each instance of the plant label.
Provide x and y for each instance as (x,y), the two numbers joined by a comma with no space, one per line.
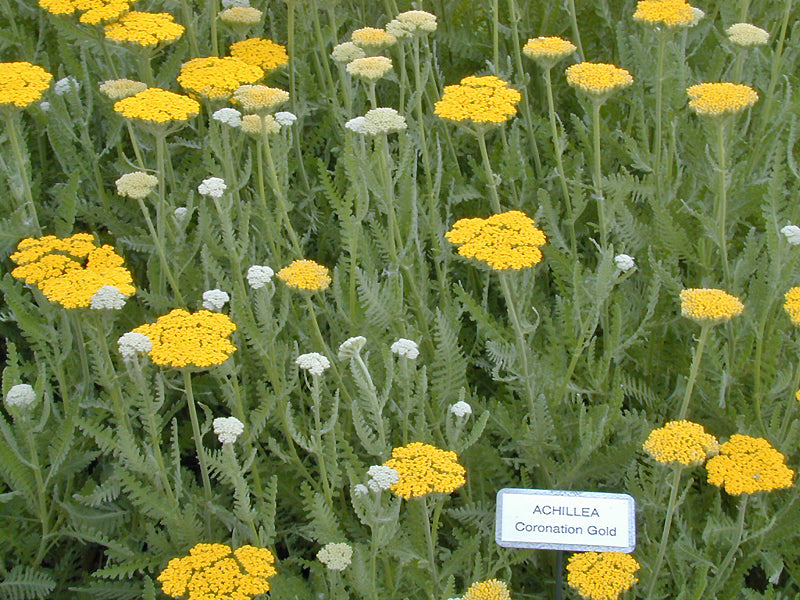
(560,520)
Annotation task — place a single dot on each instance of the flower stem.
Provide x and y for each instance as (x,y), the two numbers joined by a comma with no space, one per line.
(722,200)
(662,546)
(198,441)
(481,133)
(277,190)
(573,16)
(522,346)
(597,175)
(698,354)
(722,574)
(158,242)
(657,143)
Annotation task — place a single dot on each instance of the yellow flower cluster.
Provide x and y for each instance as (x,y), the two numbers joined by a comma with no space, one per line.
(709,305)
(423,469)
(720,99)
(22,84)
(216,572)
(492,589)
(792,304)
(305,275)
(184,339)
(478,99)
(601,575)
(94,11)
(155,105)
(70,270)
(681,441)
(144,29)
(508,240)
(548,50)
(670,13)
(259,98)
(260,52)
(372,38)
(746,465)
(598,79)
(217,78)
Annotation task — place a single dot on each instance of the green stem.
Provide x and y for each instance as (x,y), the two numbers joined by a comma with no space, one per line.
(430,540)
(266,215)
(162,255)
(16,146)
(573,17)
(495,199)
(198,443)
(662,546)
(739,65)
(597,175)
(722,574)
(496,35)
(188,22)
(526,106)
(278,190)
(41,496)
(522,345)
(657,144)
(319,449)
(722,199)
(213,18)
(698,354)
(395,238)
(239,482)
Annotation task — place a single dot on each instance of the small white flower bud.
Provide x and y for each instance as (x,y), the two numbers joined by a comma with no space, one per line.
(407,348)
(228,429)
(461,409)
(215,299)
(21,396)
(792,234)
(624,262)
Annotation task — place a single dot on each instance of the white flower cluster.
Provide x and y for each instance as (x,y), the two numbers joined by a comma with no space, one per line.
(384,120)
(66,85)
(337,557)
(407,348)
(132,343)
(351,346)
(313,362)
(370,68)
(461,409)
(108,297)
(792,234)
(20,396)
(745,34)
(285,118)
(356,125)
(624,262)
(228,116)
(228,429)
(215,299)
(259,275)
(180,214)
(136,185)
(412,22)
(347,52)
(381,478)
(213,187)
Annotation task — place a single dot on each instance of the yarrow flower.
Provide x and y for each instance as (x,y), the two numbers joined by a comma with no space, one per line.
(508,240)
(745,34)
(263,53)
(107,297)
(259,99)
(412,22)
(792,304)
(237,574)
(304,274)
(117,89)
(137,185)
(547,51)
(424,469)
(405,348)
(157,106)
(65,85)
(792,234)
(258,276)
(372,38)
(665,13)
(69,271)
(217,78)
(491,589)
(228,429)
(683,442)
(184,339)
(381,478)
(313,362)
(285,118)
(624,262)
(721,99)
(144,29)
(104,11)
(22,84)
(746,465)
(370,68)
(357,125)
(130,344)
(601,575)
(21,396)
(255,125)
(228,116)
(215,299)
(486,100)
(241,16)
(337,557)
(346,52)
(461,409)
(212,186)
(383,121)
(709,305)
(351,347)
(598,80)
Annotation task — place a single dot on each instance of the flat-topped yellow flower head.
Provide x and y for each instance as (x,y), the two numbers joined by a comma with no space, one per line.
(305,274)
(157,106)
(664,13)
(508,240)
(423,469)
(491,589)
(260,52)
(682,442)
(598,80)
(217,78)
(22,84)
(370,68)
(484,100)
(746,465)
(240,574)
(105,11)
(184,339)
(721,99)
(547,51)
(144,29)
(709,305)
(792,304)
(601,575)
(259,99)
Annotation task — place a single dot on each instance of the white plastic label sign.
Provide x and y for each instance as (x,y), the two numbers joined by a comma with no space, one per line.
(560,520)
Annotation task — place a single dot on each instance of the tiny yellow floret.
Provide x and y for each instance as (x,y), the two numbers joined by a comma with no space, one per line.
(423,469)
(601,575)
(746,465)
(709,305)
(683,442)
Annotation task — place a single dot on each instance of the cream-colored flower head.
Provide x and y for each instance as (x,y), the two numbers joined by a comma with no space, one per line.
(346,52)
(721,99)
(384,120)
(117,89)
(412,22)
(336,557)
(372,38)
(252,124)
(745,34)
(259,99)
(136,185)
(241,16)
(370,68)
(547,51)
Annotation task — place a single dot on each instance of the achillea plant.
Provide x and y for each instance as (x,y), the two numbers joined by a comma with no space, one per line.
(260,52)
(601,575)
(423,469)
(681,442)
(746,465)
(217,78)
(480,100)
(305,274)
(144,29)
(22,84)
(158,107)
